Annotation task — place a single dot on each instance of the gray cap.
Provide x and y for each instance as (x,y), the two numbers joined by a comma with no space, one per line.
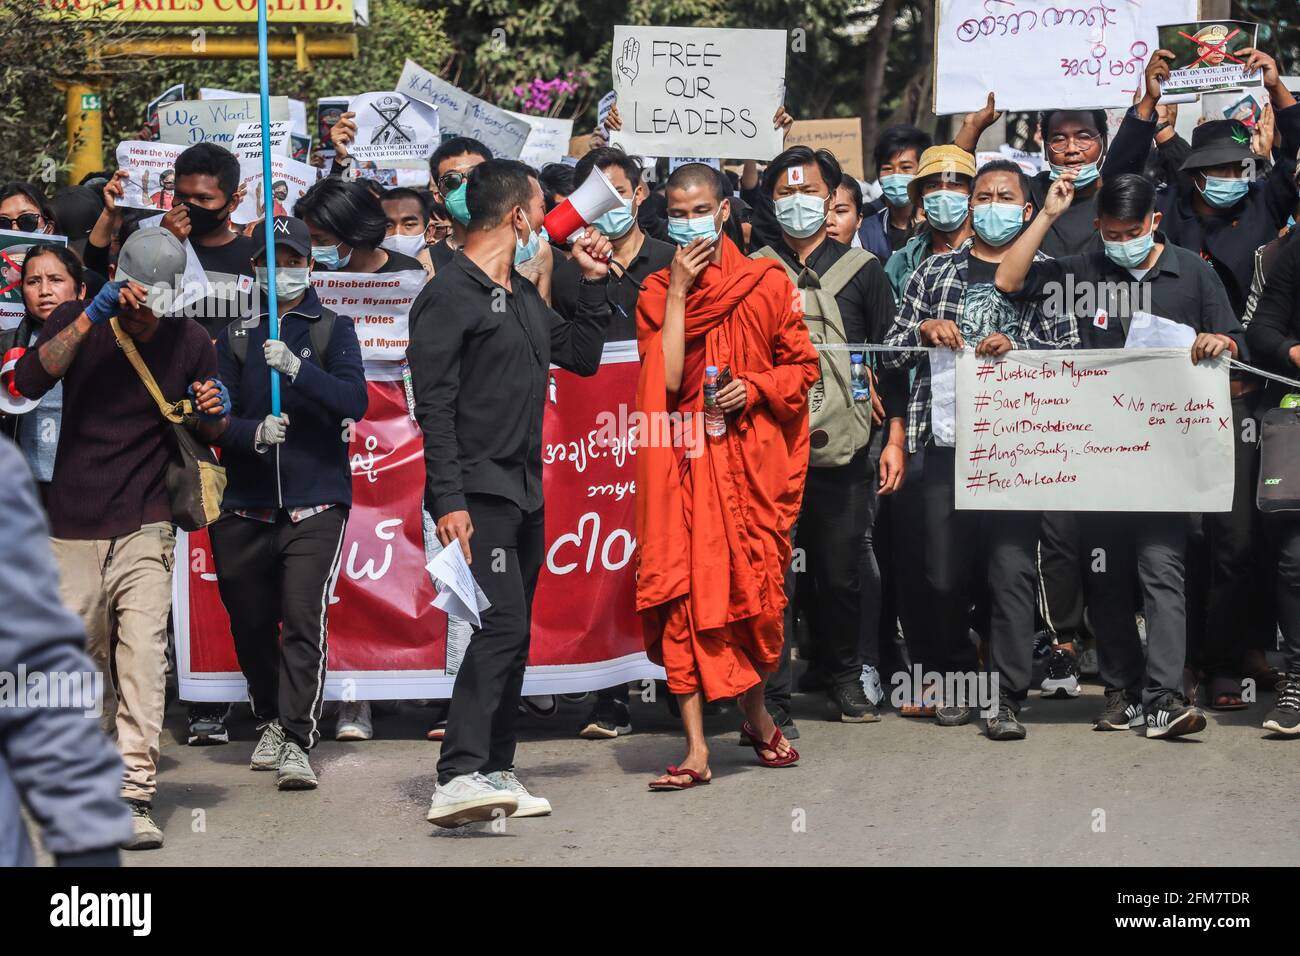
(155,259)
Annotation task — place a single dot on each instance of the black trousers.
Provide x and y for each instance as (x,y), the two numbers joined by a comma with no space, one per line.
(1138,557)
(508,547)
(1229,578)
(1062,566)
(967,549)
(1287,531)
(275,580)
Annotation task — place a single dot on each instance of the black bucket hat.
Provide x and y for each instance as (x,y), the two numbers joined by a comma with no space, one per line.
(1219,143)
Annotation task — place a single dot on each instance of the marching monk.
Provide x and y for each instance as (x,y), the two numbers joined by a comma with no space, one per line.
(714,514)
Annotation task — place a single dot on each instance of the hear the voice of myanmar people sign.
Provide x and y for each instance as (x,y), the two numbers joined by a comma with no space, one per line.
(1093,430)
(699,93)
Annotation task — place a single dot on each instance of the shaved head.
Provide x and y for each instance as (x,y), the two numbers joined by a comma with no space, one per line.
(695,175)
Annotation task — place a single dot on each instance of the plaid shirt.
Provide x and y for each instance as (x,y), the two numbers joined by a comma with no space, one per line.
(937,290)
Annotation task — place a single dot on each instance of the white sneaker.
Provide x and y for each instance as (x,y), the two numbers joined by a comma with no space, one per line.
(871,685)
(469,798)
(354,721)
(529,805)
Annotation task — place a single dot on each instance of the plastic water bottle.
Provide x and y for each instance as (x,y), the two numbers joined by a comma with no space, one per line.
(858,377)
(715,421)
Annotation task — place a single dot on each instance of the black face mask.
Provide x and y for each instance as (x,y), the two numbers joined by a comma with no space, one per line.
(205,221)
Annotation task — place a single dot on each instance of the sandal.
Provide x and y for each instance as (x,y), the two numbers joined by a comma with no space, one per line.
(789,760)
(695,779)
(1225,694)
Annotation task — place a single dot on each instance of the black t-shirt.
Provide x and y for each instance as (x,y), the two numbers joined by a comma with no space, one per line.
(441,253)
(400,262)
(230,274)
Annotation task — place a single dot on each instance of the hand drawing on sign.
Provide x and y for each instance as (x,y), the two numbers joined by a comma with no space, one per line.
(627,63)
(390,110)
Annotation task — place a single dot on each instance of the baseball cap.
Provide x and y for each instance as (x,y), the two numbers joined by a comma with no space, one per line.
(287,231)
(941,159)
(155,259)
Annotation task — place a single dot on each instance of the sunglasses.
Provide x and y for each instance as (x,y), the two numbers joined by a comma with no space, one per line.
(450,182)
(27,222)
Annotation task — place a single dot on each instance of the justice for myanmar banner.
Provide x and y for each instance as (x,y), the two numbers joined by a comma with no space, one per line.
(386,640)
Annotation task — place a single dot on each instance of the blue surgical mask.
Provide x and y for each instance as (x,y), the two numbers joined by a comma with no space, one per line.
(526,250)
(1088,174)
(800,214)
(617,222)
(327,257)
(894,187)
(456,205)
(1224,192)
(1130,253)
(289,282)
(945,210)
(683,231)
(997,223)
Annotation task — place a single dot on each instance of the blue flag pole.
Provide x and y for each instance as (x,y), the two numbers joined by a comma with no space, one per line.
(268,220)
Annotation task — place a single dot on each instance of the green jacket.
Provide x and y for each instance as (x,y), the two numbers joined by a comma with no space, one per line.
(903,263)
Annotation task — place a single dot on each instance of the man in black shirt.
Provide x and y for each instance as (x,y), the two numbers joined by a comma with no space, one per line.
(1137,269)
(833,530)
(480,372)
(636,256)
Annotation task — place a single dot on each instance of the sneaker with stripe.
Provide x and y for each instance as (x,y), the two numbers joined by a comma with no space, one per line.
(1172,716)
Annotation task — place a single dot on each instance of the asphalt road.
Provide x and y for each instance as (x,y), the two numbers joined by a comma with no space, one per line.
(896,792)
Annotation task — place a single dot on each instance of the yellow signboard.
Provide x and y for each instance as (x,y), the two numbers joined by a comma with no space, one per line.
(205,11)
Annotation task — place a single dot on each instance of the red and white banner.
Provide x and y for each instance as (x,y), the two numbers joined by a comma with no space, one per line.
(386,640)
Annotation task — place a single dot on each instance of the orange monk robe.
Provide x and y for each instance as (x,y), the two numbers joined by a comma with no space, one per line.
(713,539)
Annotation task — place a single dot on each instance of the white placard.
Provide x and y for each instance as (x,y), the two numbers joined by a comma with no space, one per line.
(289,178)
(697,92)
(195,284)
(248,140)
(943,396)
(548,139)
(604,106)
(145,164)
(1040,54)
(393,128)
(297,108)
(1094,430)
(461,114)
(213,121)
(379,304)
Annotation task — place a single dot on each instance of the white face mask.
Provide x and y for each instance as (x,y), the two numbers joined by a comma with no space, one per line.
(290,282)
(407,245)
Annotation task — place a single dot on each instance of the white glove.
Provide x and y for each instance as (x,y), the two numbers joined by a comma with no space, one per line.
(280,358)
(271,431)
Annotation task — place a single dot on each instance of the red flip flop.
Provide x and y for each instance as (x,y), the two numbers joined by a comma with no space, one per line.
(789,760)
(696,778)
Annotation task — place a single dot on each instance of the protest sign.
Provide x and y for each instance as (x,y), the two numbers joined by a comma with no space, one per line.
(248,140)
(297,108)
(1094,430)
(1207,56)
(698,92)
(676,161)
(213,121)
(289,180)
(1031,163)
(173,94)
(150,173)
(604,106)
(13,250)
(393,128)
(548,139)
(300,147)
(461,114)
(843,137)
(387,640)
(329,110)
(197,283)
(579,145)
(1037,54)
(379,304)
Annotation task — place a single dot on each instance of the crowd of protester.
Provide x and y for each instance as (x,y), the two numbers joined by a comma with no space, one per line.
(1184,613)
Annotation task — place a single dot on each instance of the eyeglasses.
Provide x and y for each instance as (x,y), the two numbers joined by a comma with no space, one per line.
(27,222)
(450,182)
(1060,143)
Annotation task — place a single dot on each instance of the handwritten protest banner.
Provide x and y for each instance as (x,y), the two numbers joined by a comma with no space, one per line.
(843,137)
(1207,56)
(699,93)
(150,173)
(461,114)
(1093,430)
(297,108)
(213,121)
(379,304)
(548,139)
(289,180)
(248,140)
(1044,54)
(393,128)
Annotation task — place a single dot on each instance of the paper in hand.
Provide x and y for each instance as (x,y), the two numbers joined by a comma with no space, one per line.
(458,593)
